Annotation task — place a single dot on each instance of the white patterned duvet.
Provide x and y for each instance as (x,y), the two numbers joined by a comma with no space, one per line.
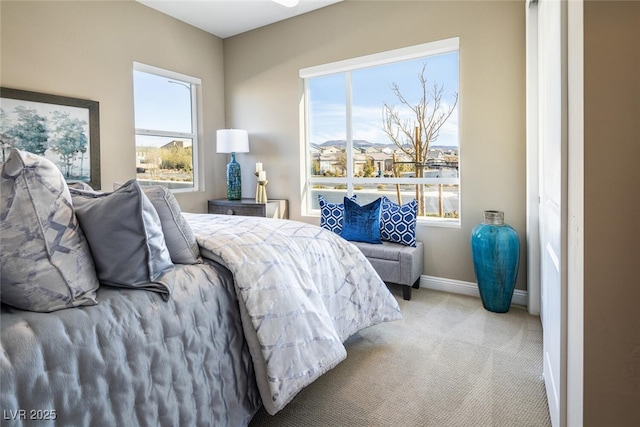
(302,290)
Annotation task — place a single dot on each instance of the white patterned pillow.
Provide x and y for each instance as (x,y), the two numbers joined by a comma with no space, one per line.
(45,262)
(398,223)
(331,214)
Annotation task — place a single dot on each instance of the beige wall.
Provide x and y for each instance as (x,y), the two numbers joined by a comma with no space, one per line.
(263,95)
(611,206)
(86,50)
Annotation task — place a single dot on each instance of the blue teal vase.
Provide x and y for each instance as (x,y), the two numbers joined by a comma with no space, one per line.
(495,248)
(234,179)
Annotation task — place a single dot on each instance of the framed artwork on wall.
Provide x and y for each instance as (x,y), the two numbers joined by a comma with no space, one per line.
(64,130)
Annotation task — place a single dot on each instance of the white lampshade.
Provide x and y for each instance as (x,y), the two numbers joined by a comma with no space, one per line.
(232,141)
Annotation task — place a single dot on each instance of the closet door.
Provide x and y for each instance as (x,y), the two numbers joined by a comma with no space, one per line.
(552,139)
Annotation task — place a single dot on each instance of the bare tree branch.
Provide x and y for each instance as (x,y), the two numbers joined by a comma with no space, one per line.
(414,139)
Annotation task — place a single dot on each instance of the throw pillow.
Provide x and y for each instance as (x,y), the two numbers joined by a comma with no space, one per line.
(125,236)
(331,214)
(398,222)
(45,262)
(361,223)
(178,234)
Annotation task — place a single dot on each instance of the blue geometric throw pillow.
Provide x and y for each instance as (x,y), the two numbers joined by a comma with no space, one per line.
(331,214)
(398,223)
(361,223)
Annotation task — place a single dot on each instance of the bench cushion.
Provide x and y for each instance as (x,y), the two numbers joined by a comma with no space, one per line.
(386,250)
(394,262)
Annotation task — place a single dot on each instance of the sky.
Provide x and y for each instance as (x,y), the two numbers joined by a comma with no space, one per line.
(165,104)
(161,104)
(371,88)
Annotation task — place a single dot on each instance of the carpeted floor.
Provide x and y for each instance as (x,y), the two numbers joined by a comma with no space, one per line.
(448,362)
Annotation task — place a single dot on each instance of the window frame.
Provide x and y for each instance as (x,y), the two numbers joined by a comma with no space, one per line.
(195,85)
(346,67)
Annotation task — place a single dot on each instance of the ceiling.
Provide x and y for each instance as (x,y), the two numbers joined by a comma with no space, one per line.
(226,18)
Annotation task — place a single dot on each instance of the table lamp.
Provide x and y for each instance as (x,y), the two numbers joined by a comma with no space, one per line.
(233,141)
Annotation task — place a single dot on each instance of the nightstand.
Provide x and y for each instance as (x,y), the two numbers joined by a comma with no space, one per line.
(249,207)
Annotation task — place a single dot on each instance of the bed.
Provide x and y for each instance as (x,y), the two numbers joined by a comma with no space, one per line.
(132,359)
(260,315)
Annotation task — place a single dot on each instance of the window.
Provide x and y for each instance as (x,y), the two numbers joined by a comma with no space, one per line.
(386,124)
(166,128)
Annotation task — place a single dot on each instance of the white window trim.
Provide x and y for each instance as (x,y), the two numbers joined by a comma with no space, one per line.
(196,83)
(382,58)
(352,64)
(138,66)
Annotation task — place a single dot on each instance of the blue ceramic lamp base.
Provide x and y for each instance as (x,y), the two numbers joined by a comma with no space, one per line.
(234,179)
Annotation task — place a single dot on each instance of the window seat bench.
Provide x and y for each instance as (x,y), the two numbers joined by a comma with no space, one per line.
(396,263)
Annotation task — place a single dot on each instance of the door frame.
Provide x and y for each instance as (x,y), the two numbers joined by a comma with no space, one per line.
(573,229)
(539,51)
(575,214)
(533,164)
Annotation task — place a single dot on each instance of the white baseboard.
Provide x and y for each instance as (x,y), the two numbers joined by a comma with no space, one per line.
(465,288)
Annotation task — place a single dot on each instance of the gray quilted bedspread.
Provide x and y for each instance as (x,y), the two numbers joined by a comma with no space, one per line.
(302,290)
(133,359)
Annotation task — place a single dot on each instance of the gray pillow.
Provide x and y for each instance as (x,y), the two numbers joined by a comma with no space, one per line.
(178,234)
(125,236)
(45,262)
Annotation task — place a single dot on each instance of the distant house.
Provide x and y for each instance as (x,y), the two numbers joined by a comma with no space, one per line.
(435,153)
(331,150)
(331,159)
(371,150)
(173,144)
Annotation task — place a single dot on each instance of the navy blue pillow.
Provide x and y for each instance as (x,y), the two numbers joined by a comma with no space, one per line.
(361,223)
